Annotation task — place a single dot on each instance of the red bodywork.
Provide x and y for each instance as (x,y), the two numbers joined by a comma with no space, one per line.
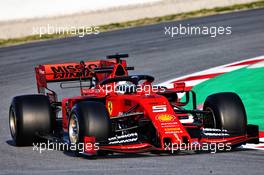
(166,122)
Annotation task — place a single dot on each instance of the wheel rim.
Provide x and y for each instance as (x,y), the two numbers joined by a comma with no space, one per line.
(74,129)
(12,123)
(210,121)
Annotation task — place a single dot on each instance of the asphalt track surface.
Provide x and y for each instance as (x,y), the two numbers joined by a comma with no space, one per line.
(152,53)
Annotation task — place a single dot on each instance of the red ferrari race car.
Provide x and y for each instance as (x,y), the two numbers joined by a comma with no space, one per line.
(117,112)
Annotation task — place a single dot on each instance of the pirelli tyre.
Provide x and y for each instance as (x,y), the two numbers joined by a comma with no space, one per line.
(226,111)
(28,116)
(88,118)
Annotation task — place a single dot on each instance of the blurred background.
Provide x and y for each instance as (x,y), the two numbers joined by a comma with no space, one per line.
(19,17)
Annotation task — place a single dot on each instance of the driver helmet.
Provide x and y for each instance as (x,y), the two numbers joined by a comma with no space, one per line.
(125,87)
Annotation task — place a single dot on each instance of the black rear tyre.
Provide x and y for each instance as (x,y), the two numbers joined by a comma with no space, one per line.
(29,115)
(226,112)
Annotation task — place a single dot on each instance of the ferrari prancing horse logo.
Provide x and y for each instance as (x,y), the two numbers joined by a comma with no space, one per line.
(110,107)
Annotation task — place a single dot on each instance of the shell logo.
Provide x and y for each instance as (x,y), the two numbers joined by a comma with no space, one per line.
(165,117)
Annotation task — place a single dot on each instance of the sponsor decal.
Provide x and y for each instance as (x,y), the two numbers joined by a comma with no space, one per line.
(175,130)
(216,134)
(71,71)
(213,132)
(110,107)
(165,117)
(169,124)
(132,137)
(172,129)
(159,108)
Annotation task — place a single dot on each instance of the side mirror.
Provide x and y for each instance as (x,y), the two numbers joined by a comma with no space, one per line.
(179,86)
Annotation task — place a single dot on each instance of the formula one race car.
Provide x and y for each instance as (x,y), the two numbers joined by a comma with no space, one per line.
(117,112)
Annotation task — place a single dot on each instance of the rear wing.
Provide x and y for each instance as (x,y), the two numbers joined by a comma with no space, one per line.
(73,71)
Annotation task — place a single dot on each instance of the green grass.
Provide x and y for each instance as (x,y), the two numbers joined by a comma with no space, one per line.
(140,22)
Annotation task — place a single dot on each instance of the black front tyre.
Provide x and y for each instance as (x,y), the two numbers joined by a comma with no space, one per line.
(88,118)
(226,111)
(28,116)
